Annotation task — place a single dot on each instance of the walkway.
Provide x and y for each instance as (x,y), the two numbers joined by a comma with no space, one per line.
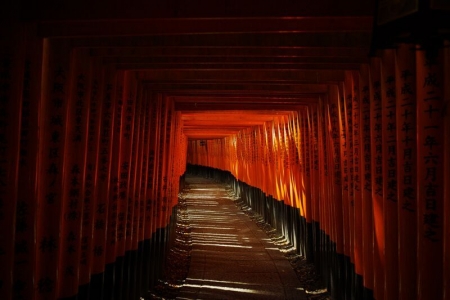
(231,258)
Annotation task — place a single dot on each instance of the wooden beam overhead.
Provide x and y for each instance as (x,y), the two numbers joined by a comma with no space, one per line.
(179,26)
(223,53)
(257,114)
(211,124)
(243,103)
(239,75)
(200,60)
(140,9)
(280,39)
(240,99)
(239,66)
(233,106)
(225,66)
(199,88)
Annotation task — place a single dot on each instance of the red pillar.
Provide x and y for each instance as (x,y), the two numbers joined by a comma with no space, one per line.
(357,186)
(366,180)
(348,172)
(74,177)
(111,249)
(25,227)
(430,173)
(103,192)
(389,165)
(91,202)
(344,171)
(12,62)
(406,167)
(53,124)
(447,180)
(377,178)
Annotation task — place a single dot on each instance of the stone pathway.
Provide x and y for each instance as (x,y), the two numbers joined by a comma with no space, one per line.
(231,257)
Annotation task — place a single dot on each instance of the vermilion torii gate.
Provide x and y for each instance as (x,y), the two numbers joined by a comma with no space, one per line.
(103,104)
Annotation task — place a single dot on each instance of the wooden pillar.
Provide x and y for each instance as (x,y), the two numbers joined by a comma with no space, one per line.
(25,227)
(337,168)
(12,67)
(91,202)
(377,178)
(430,172)
(103,193)
(389,165)
(347,137)
(406,166)
(366,184)
(447,178)
(53,123)
(357,181)
(73,190)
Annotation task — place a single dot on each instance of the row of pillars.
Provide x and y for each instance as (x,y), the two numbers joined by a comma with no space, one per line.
(369,164)
(89,174)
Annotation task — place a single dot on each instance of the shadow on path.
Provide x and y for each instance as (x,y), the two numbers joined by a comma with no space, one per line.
(231,257)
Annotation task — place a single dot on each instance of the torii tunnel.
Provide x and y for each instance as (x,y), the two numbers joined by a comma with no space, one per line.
(105,105)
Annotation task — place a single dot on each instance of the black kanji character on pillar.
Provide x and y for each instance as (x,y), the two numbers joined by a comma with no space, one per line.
(431,80)
(56,121)
(101,208)
(22,209)
(51,198)
(60,73)
(431,234)
(71,248)
(45,285)
(407,205)
(431,174)
(53,153)
(390,80)
(431,110)
(430,141)
(409,193)
(58,102)
(21,225)
(431,158)
(58,87)
(407,89)
(56,137)
(71,236)
(18,287)
(99,224)
(406,73)
(48,244)
(98,250)
(431,220)
(21,247)
(70,271)
(72,215)
(74,192)
(73,204)
(431,190)
(407,113)
(390,92)
(52,169)
(406,127)
(75,169)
